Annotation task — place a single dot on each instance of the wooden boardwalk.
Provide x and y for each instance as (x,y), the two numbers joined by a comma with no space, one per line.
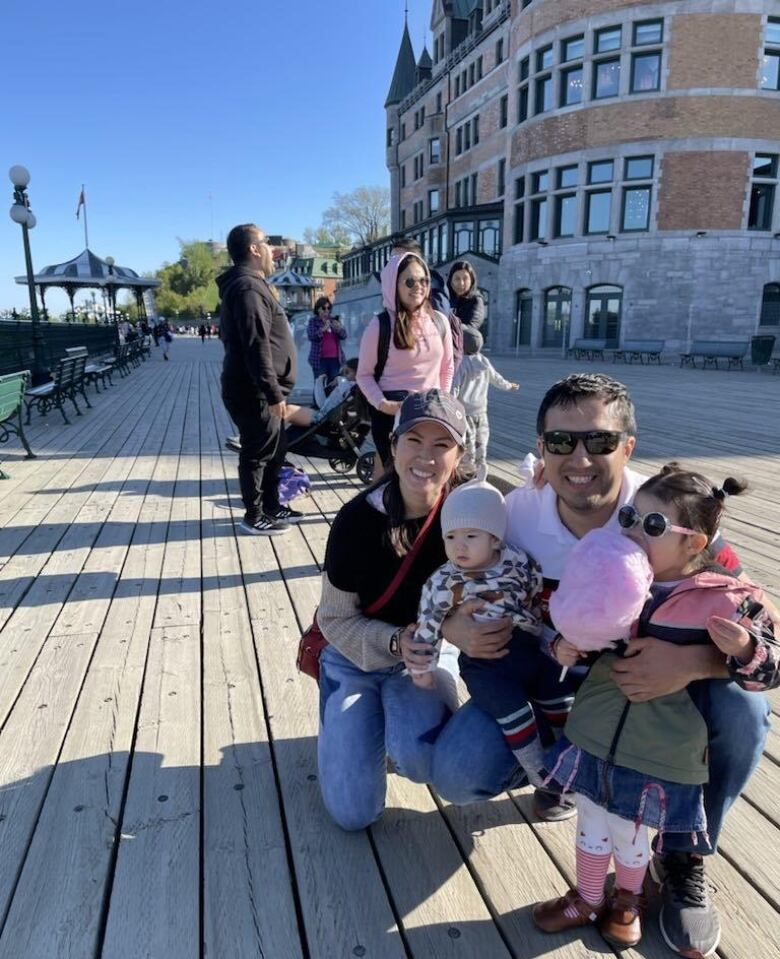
(158,779)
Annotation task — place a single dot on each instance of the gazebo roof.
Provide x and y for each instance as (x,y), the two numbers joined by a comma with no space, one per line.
(290,279)
(87,270)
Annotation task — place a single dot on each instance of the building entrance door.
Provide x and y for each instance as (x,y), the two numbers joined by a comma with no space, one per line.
(603,313)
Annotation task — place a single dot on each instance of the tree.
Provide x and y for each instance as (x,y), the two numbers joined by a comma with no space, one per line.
(363,215)
(322,236)
(189,286)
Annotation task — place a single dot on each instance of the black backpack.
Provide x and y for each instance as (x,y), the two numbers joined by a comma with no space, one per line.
(386,331)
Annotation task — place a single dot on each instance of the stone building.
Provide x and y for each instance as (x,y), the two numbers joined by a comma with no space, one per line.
(609,167)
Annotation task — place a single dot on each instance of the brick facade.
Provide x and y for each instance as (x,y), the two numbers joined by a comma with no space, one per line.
(698,190)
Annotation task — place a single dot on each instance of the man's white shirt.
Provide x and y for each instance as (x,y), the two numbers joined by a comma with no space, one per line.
(534,525)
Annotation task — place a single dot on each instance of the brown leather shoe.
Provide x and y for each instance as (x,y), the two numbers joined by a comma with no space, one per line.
(622,921)
(550,916)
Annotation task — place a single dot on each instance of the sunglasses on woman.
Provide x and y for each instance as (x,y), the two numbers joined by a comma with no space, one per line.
(597,442)
(653,524)
(411,282)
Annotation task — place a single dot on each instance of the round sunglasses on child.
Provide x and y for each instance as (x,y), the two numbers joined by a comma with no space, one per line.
(653,524)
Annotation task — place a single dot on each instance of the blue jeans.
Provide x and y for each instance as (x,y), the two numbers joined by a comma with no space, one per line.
(472,761)
(364,717)
(330,366)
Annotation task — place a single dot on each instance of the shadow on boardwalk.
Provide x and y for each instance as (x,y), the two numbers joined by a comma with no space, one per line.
(121,854)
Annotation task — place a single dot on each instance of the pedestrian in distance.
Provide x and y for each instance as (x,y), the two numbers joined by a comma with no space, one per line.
(258,375)
(473,379)
(466,301)
(326,334)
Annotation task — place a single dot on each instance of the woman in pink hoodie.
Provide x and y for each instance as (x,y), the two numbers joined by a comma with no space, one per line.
(419,355)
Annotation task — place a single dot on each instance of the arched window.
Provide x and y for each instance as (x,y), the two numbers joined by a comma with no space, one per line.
(770,305)
(557,316)
(603,312)
(521,334)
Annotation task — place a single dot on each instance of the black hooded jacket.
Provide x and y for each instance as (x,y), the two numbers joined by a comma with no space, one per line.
(470,310)
(260,356)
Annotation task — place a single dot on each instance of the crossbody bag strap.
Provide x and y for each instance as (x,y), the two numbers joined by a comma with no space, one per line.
(410,557)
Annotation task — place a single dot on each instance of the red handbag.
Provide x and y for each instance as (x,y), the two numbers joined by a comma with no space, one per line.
(313,641)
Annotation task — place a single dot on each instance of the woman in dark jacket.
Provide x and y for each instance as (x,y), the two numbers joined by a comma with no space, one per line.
(465,299)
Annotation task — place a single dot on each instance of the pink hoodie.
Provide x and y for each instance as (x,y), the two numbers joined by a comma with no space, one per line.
(429,365)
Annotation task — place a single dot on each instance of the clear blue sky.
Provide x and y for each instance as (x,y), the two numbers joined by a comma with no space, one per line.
(269,107)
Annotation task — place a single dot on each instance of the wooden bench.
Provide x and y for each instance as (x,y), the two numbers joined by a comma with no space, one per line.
(67,380)
(97,368)
(12,387)
(711,351)
(588,349)
(641,350)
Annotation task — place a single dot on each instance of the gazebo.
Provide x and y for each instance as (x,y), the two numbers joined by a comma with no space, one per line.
(295,291)
(87,271)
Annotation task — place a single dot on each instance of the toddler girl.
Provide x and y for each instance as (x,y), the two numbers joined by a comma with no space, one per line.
(634,765)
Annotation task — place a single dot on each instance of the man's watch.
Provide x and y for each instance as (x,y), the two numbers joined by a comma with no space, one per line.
(395,643)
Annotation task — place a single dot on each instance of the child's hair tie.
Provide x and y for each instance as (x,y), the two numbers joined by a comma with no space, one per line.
(719,493)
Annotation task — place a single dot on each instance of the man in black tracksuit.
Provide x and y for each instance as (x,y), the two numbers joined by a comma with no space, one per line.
(257,376)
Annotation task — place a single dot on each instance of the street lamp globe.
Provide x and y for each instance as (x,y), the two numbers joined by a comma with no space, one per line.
(19,214)
(31,221)
(110,260)
(19,176)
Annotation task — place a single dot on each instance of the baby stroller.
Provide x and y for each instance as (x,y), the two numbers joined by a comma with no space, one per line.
(341,437)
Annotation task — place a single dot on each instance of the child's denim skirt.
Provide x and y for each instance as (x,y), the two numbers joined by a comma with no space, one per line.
(666,806)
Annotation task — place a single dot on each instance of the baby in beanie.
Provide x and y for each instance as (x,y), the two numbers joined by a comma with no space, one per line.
(509,583)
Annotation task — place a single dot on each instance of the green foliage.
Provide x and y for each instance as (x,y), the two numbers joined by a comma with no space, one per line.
(324,237)
(359,217)
(188,287)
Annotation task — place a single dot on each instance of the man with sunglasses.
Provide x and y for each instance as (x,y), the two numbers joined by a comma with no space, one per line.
(586,431)
(258,375)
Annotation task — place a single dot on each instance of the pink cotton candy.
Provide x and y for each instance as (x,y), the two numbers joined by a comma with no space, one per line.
(605,583)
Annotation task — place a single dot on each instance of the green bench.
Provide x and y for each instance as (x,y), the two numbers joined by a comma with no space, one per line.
(12,387)
(588,349)
(641,350)
(711,351)
(68,378)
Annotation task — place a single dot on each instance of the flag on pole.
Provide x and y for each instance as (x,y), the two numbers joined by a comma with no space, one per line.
(82,203)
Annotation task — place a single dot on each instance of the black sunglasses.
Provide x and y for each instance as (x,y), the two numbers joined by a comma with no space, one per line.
(411,282)
(654,524)
(597,442)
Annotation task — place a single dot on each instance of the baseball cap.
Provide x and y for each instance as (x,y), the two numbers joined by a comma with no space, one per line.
(433,406)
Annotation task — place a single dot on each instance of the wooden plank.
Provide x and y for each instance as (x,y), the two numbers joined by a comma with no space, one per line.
(154,907)
(155,898)
(23,630)
(58,903)
(248,900)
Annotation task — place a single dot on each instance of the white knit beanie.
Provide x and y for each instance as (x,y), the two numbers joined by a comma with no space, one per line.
(476,505)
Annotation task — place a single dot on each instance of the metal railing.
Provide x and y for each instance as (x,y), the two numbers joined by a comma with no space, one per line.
(16,342)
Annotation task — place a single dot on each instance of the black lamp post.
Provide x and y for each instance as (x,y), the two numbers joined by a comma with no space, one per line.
(111,289)
(22,214)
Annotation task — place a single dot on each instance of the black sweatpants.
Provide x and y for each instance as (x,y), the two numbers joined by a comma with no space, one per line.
(263,449)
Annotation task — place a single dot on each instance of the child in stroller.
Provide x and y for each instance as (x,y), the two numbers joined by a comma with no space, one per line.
(334,429)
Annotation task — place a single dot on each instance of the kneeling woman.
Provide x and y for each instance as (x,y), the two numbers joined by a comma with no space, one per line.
(383,546)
